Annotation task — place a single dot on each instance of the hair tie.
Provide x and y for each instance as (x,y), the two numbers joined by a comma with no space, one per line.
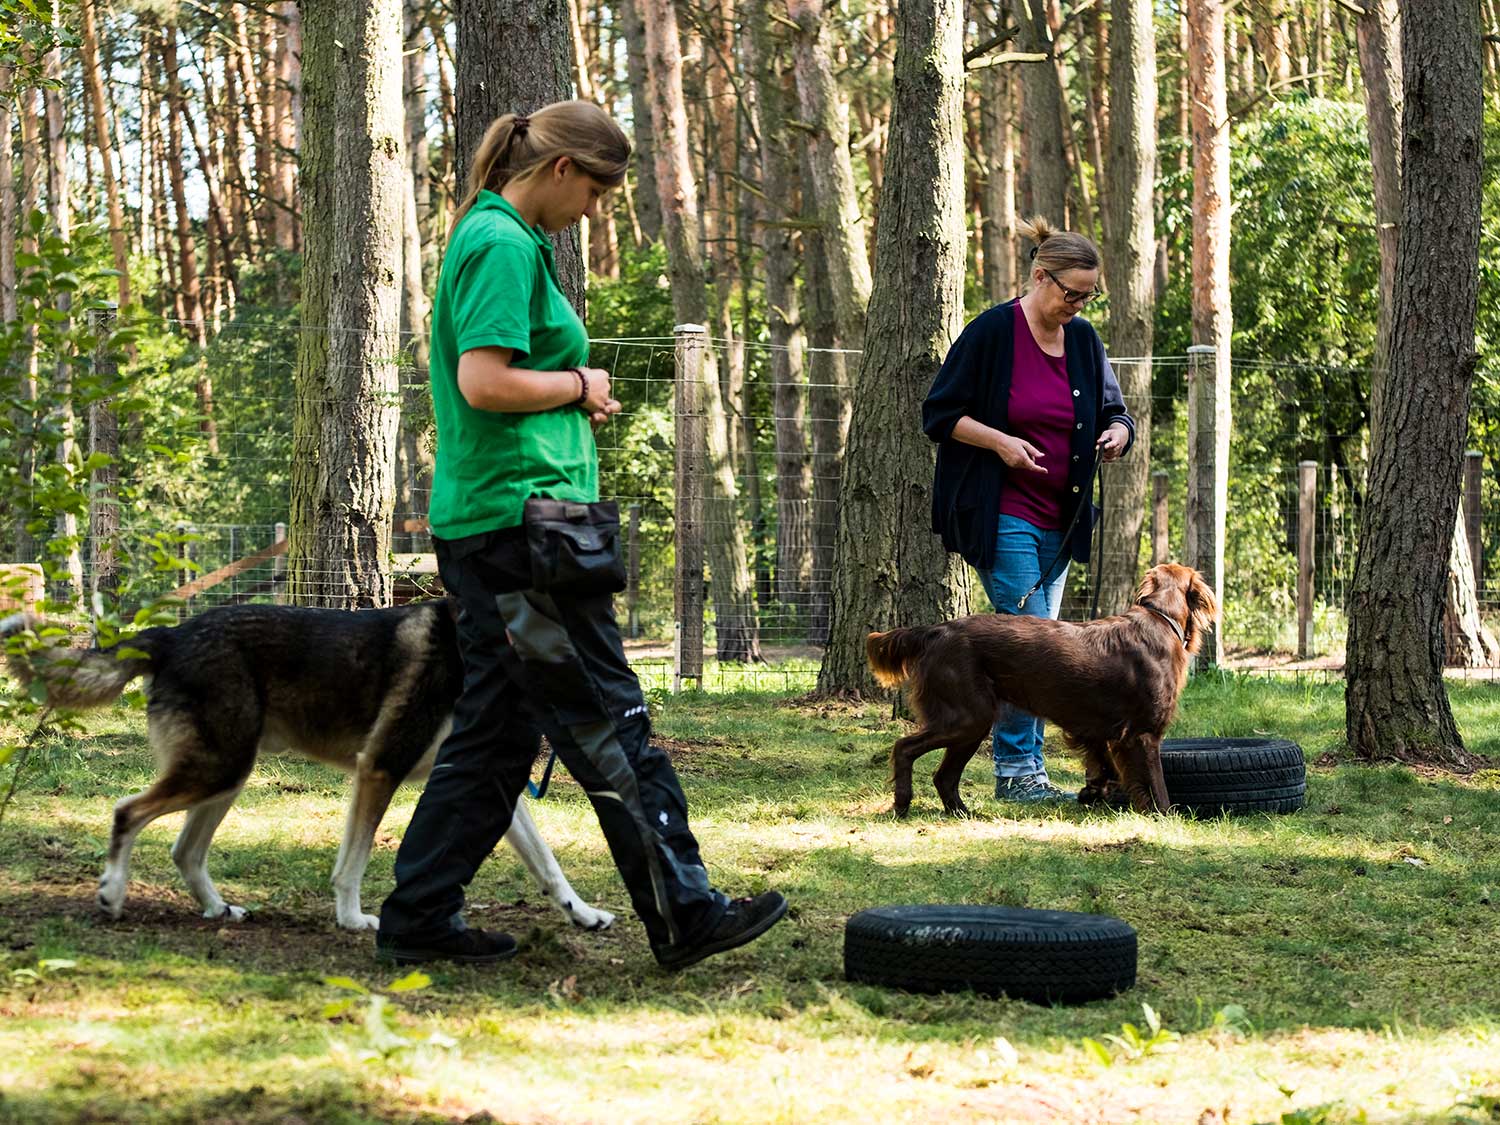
(520,124)
(1033,252)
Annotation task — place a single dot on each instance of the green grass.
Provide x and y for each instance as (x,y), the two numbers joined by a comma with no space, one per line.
(1358,936)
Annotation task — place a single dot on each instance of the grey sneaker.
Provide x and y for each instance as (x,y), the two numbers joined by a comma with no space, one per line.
(1031,789)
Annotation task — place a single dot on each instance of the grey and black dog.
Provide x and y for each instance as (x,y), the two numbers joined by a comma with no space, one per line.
(369,691)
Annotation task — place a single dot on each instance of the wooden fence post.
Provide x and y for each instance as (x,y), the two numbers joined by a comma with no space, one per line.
(1474,514)
(633,572)
(691,463)
(278,568)
(104,437)
(1160,548)
(1208,481)
(1307,521)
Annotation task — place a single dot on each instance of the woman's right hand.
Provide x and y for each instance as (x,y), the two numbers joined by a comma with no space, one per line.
(598,400)
(1019,454)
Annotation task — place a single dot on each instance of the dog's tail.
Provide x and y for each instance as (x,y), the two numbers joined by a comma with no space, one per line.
(891,654)
(74,678)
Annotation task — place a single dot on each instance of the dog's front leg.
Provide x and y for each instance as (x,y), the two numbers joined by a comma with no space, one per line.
(1098,774)
(368,800)
(542,863)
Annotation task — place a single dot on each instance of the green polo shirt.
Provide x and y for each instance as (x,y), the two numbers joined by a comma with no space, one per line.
(498,289)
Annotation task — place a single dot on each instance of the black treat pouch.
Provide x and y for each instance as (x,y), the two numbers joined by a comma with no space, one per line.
(574,547)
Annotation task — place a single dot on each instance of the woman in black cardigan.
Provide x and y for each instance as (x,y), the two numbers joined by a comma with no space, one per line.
(1024,407)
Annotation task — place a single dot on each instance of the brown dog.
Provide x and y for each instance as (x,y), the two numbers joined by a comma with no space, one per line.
(1112,685)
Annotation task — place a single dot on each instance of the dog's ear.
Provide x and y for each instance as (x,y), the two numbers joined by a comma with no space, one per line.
(1202,603)
(1148,586)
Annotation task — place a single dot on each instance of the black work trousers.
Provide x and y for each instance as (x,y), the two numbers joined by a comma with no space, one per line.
(537,664)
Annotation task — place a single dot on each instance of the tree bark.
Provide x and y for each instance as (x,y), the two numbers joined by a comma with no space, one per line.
(1396,705)
(833,196)
(1467,641)
(1379,34)
(1042,116)
(778,206)
(341,543)
(888,568)
(93,81)
(415,465)
(734,607)
(1129,268)
(514,56)
(998,195)
(647,199)
(284,124)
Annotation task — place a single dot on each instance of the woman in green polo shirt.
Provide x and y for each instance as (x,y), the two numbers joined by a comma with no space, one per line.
(515,407)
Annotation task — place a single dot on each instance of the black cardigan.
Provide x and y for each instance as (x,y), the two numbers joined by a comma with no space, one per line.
(975,380)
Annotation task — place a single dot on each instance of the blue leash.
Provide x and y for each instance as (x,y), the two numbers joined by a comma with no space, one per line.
(538,791)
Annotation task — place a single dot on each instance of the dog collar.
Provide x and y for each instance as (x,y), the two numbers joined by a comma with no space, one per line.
(1176,628)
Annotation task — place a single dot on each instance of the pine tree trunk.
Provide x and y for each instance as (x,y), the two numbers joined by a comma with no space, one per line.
(415,464)
(313,386)
(1042,116)
(1129,269)
(95,85)
(69,587)
(734,608)
(1467,641)
(514,56)
(1396,705)
(833,196)
(284,124)
(340,546)
(998,198)
(778,207)
(888,568)
(1379,33)
(647,198)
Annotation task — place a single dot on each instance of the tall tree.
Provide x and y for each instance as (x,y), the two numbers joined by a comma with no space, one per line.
(414,467)
(1212,320)
(778,203)
(515,56)
(647,200)
(93,80)
(1129,269)
(833,198)
(1396,705)
(888,569)
(734,608)
(1042,115)
(998,198)
(344,548)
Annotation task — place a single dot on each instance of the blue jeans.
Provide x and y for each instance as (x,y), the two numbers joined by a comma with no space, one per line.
(1021,550)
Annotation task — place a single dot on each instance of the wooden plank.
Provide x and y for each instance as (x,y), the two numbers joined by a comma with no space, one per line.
(239,566)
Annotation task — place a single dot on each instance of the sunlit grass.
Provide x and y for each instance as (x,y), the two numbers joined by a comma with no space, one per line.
(1358,936)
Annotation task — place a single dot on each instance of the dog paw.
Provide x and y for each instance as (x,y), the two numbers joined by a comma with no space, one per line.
(112,905)
(359,922)
(226,913)
(587,918)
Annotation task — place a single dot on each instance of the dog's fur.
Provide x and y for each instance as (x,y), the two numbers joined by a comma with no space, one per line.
(1112,686)
(371,692)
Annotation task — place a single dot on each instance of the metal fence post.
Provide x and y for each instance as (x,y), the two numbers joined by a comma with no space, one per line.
(691,465)
(1208,480)
(633,572)
(1307,522)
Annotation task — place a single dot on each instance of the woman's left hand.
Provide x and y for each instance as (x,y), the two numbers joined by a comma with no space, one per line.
(1112,442)
(599,417)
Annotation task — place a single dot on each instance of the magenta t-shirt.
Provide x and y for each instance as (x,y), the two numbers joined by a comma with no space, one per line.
(1041,412)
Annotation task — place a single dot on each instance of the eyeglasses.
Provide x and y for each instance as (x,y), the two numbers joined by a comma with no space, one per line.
(1074,296)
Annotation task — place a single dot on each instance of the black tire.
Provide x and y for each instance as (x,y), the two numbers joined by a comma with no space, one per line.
(1210,776)
(1046,956)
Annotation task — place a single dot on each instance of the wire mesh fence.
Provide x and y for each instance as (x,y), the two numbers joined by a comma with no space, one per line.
(764,460)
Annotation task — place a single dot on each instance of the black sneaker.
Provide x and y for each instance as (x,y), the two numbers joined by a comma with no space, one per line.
(464,947)
(744,920)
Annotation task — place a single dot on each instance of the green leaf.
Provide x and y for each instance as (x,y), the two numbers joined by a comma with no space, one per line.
(1098,1050)
(1153,1021)
(410,983)
(348,983)
(335,1008)
(56,964)
(124,653)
